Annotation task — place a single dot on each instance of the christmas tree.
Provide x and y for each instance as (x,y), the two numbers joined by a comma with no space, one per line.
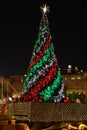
(43,81)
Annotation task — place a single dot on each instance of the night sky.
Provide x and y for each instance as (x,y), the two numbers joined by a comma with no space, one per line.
(19,24)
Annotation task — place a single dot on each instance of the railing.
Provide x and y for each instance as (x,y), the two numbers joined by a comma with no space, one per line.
(48,112)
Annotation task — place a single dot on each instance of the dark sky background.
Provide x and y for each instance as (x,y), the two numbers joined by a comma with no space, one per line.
(19,24)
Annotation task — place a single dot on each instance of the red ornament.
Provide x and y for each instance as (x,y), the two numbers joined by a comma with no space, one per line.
(67,100)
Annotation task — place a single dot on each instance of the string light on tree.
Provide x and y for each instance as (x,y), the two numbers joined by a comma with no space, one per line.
(43,81)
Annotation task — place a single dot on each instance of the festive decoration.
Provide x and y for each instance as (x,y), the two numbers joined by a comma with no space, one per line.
(77,97)
(67,100)
(43,81)
(60,94)
(45,9)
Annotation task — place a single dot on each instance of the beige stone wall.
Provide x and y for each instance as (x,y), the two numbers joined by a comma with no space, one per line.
(75,83)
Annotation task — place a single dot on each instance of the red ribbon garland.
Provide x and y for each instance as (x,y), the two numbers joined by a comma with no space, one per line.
(32,95)
(39,55)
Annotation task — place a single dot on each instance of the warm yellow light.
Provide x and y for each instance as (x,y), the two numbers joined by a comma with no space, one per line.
(78,77)
(81,71)
(72,78)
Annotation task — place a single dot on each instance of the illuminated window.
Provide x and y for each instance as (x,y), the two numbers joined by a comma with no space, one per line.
(78,77)
(65,78)
(73,78)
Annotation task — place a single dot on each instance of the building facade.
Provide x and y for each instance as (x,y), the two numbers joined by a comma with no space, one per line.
(13,86)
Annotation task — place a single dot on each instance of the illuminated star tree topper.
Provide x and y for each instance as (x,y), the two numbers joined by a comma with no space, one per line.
(44,9)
